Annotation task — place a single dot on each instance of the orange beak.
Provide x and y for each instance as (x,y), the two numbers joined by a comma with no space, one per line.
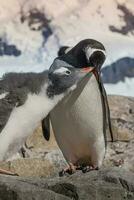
(87,69)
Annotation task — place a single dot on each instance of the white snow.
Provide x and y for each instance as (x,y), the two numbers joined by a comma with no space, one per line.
(72,21)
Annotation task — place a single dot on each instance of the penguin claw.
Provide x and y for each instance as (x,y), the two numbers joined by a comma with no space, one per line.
(72,169)
(84,169)
(89,168)
(69,170)
(62,173)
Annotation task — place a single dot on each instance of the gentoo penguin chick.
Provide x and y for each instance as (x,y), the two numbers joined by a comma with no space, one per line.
(26,98)
(79,121)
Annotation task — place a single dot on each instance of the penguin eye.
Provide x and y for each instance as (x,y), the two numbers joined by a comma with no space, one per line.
(62,71)
(67,72)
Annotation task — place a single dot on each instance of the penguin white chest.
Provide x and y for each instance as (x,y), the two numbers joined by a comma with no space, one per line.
(78,125)
(22,122)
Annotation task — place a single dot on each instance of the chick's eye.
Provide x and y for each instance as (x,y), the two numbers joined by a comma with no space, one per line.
(67,72)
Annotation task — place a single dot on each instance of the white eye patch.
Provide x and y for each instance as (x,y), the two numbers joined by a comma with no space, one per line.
(62,70)
(89,51)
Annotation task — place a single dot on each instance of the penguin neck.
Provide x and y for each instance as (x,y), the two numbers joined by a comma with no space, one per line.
(74,95)
(50,99)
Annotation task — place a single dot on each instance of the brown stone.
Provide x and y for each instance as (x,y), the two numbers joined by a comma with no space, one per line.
(122,117)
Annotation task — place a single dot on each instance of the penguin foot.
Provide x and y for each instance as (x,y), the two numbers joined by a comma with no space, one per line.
(6,172)
(89,168)
(71,169)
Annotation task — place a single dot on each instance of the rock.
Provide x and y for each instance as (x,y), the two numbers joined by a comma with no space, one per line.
(122,117)
(9,50)
(17,189)
(105,184)
(38,165)
(118,70)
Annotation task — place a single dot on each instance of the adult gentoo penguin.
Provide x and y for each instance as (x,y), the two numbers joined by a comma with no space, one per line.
(79,120)
(26,98)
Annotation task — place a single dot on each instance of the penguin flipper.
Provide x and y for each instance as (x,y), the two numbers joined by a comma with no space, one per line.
(103,91)
(46,127)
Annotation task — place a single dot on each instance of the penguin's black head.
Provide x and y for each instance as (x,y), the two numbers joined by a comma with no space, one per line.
(62,50)
(87,53)
(63,77)
(97,58)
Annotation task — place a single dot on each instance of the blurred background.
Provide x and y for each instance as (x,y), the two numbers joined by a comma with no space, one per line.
(31,32)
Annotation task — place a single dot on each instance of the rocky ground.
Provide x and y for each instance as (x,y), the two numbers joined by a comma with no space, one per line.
(106,184)
(44,160)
